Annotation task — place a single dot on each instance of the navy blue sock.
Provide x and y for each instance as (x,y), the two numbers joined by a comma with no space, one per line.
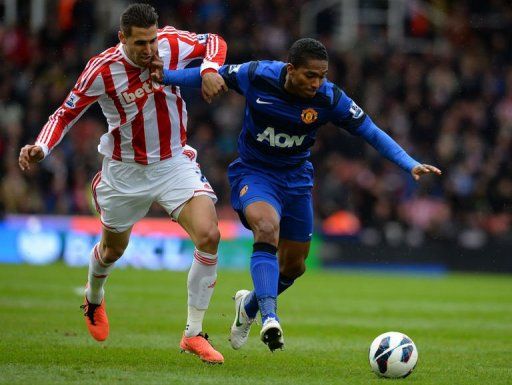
(251,302)
(265,276)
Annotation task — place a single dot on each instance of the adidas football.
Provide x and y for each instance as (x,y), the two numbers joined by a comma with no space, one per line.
(393,355)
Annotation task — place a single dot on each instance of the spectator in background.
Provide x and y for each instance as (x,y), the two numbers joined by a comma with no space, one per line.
(451,107)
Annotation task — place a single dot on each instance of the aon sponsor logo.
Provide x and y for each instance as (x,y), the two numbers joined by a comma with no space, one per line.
(281,139)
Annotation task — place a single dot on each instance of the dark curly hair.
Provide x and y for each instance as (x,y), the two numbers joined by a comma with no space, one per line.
(138,15)
(305,49)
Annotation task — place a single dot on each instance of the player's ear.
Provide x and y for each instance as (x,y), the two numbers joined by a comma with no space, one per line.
(290,68)
(121,36)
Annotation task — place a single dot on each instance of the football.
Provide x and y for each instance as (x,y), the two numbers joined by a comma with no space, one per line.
(393,355)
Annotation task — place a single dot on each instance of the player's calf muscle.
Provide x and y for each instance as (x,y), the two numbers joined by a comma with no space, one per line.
(293,271)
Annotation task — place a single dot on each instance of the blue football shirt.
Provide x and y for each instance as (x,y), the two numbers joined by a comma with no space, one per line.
(280,128)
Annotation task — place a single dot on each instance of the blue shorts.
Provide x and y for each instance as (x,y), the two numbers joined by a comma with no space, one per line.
(288,191)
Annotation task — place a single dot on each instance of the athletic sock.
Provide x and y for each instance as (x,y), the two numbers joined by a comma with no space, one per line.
(251,302)
(202,277)
(265,276)
(98,273)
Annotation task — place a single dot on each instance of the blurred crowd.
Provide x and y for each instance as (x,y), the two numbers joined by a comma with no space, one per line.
(450,106)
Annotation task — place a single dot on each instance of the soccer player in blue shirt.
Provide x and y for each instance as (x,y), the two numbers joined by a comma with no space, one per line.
(272,179)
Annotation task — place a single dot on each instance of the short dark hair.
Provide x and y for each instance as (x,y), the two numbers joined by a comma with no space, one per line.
(305,49)
(138,15)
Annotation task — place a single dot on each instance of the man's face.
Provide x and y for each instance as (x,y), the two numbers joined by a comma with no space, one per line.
(304,81)
(141,45)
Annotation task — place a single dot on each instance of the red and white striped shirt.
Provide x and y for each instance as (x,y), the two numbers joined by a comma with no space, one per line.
(146,122)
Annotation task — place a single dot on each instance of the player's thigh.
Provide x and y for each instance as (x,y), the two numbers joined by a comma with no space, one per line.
(114,244)
(183,183)
(297,218)
(119,210)
(255,199)
(260,214)
(199,219)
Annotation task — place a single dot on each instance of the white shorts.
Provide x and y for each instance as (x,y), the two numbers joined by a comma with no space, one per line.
(124,192)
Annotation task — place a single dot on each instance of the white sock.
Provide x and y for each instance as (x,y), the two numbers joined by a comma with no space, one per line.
(98,273)
(202,277)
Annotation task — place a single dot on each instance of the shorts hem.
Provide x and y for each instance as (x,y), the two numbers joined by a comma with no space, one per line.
(258,199)
(175,213)
(296,239)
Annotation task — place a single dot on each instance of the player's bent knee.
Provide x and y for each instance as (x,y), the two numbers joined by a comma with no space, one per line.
(266,231)
(112,253)
(208,239)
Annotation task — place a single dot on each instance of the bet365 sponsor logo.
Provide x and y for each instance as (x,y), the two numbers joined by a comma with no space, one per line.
(131,95)
(279,140)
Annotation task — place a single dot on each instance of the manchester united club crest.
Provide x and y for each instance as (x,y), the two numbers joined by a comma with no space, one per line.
(309,115)
(243,191)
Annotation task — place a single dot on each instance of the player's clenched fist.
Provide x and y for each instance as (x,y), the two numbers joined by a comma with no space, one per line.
(30,154)
(213,85)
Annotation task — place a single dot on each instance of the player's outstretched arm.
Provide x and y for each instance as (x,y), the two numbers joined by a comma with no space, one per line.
(390,149)
(30,154)
(86,91)
(191,78)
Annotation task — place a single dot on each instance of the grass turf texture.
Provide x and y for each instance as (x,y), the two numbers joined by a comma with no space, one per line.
(461,324)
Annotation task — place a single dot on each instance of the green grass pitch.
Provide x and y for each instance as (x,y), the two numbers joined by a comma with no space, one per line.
(461,324)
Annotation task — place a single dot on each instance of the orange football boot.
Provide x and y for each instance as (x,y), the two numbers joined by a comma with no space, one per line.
(200,346)
(96,319)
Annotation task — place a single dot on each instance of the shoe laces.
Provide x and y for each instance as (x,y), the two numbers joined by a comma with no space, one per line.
(89,310)
(206,337)
(246,326)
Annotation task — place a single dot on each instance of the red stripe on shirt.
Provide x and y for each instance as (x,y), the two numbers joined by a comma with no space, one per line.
(89,75)
(164,125)
(116,154)
(110,90)
(175,52)
(179,105)
(65,116)
(138,137)
(173,63)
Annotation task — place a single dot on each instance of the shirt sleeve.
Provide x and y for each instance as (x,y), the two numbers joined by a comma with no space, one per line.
(347,114)
(87,90)
(237,76)
(188,77)
(385,145)
(188,46)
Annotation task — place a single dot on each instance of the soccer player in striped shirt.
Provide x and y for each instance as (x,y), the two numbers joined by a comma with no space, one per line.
(271,181)
(146,159)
